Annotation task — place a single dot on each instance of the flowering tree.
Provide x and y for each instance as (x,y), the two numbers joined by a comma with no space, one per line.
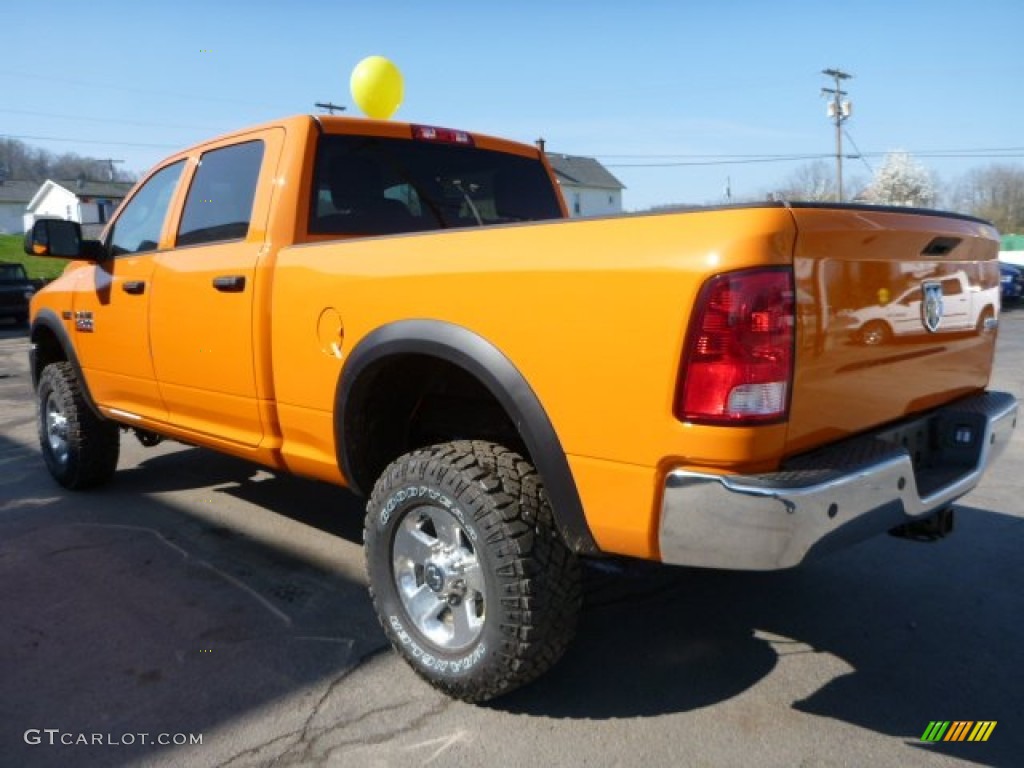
(901,180)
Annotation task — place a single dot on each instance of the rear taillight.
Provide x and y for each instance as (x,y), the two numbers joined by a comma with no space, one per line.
(737,367)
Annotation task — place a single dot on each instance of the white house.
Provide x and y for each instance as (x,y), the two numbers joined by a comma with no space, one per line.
(588,187)
(87,202)
(1012,257)
(14,197)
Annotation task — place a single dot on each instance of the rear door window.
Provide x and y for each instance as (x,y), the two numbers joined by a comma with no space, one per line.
(219,202)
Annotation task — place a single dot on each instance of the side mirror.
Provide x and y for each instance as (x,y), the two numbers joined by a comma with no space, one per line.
(61,239)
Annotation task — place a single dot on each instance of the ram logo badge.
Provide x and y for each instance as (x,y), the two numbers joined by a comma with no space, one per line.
(931,307)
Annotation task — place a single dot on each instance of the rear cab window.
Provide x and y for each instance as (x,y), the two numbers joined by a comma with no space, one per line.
(379,185)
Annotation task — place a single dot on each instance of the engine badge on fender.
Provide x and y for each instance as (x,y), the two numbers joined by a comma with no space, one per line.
(84,322)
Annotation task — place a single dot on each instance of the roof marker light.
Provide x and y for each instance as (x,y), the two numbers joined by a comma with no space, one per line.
(442,135)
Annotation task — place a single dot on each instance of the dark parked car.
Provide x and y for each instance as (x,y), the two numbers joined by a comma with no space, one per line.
(1011,283)
(15,291)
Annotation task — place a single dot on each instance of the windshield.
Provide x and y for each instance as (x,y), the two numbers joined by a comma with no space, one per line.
(374,186)
(11,273)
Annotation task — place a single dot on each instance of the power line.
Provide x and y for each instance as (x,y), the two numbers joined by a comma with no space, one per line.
(749,161)
(709,156)
(116,120)
(860,154)
(1008,152)
(89,141)
(126,89)
(698,156)
(682,161)
(698,160)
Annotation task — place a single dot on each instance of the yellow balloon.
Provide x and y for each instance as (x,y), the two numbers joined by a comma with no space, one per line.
(377,87)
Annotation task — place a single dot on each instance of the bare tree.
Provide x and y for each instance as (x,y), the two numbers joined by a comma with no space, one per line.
(25,162)
(901,180)
(813,182)
(996,193)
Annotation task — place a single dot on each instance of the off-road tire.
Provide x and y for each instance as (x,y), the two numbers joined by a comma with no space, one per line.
(79,447)
(470,520)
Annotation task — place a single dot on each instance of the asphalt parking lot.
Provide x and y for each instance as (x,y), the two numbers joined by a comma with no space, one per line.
(197,595)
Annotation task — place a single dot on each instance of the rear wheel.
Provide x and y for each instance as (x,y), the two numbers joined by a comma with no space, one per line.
(80,448)
(875,334)
(470,580)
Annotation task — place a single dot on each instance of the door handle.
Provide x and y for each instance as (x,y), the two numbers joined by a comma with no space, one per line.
(134,287)
(229,283)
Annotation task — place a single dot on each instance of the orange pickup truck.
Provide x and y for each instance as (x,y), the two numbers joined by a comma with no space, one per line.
(405,310)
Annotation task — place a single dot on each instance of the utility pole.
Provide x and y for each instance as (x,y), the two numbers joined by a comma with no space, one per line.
(838,110)
(110,167)
(329,106)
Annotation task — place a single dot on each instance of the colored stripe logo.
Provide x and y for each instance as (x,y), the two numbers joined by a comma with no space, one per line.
(958,730)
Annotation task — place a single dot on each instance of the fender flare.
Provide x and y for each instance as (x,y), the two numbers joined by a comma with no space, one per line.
(48,319)
(484,361)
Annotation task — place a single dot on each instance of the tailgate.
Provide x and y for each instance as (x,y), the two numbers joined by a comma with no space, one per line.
(896,314)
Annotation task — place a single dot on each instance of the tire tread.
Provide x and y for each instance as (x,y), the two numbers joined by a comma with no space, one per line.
(540,585)
(93,442)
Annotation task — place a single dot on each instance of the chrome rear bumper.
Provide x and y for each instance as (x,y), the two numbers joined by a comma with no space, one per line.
(836,496)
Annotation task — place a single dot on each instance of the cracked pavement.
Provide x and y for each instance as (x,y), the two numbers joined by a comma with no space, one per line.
(198,594)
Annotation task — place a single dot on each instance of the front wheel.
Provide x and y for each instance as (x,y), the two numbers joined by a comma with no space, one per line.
(79,447)
(986,320)
(470,579)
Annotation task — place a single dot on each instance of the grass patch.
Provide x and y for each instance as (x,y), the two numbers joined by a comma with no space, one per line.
(11,250)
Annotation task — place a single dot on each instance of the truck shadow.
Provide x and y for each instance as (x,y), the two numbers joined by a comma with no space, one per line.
(889,636)
(328,508)
(886,637)
(892,634)
(126,612)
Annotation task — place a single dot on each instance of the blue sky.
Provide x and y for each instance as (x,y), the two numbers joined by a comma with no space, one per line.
(663,83)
